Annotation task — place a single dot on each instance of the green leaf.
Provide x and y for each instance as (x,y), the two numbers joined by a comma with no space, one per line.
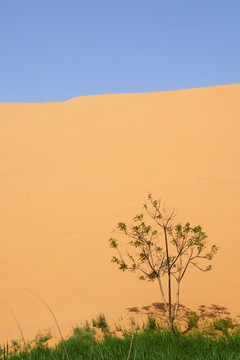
(138,217)
(115,260)
(151,276)
(113,243)
(186,228)
(122,227)
(123,266)
(142,257)
(208,268)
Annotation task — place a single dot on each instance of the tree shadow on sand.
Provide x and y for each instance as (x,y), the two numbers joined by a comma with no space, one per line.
(204,314)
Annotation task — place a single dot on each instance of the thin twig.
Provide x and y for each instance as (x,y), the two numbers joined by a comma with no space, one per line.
(25,344)
(39,298)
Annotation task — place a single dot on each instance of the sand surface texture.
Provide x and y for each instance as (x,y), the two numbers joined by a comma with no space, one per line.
(70,171)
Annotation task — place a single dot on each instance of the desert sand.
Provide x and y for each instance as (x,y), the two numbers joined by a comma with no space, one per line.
(70,171)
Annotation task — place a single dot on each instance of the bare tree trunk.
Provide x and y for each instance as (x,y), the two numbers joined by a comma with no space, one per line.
(178,287)
(170,324)
(163,295)
(170,320)
(167,309)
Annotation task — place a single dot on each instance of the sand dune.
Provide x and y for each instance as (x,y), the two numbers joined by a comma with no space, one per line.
(70,171)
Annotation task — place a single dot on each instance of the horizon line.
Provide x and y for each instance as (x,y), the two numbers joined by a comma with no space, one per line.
(120,93)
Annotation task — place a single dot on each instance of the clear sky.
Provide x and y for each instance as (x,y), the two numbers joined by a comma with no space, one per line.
(54,50)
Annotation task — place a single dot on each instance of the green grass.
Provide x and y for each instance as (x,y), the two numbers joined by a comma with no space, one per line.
(147,344)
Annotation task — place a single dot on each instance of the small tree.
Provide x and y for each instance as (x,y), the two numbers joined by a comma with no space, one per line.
(162,250)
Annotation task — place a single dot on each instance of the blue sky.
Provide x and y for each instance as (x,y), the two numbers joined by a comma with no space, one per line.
(54,50)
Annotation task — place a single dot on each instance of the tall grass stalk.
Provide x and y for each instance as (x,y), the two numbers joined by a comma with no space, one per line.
(99,349)
(19,327)
(54,317)
(130,348)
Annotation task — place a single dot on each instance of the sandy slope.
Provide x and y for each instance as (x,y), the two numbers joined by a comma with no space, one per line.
(70,171)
